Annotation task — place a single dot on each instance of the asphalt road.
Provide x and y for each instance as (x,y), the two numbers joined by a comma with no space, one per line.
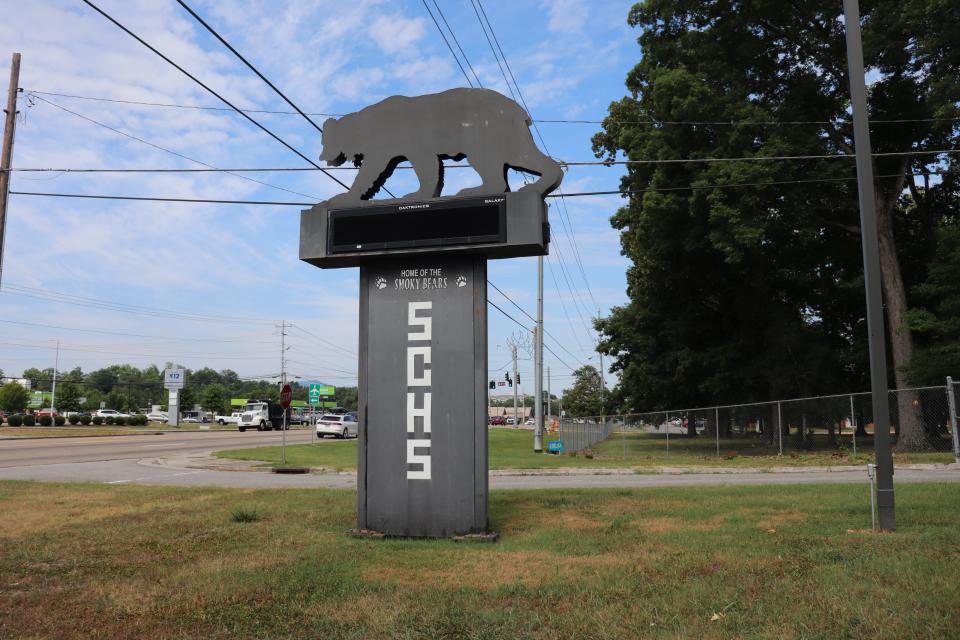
(159,460)
(46,451)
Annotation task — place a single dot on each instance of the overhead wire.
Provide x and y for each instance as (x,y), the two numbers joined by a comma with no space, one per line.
(568,195)
(209,167)
(457,41)
(539,121)
(444,36)
(211,91)
(249,65)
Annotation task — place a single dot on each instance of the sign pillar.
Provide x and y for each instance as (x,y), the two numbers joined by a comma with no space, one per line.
(422,467)
(173,380)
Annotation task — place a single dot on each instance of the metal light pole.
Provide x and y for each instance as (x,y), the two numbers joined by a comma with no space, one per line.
(538,365)
(513,351)
(876,332)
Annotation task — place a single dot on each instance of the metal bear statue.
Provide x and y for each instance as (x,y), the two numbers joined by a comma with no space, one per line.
(489,129)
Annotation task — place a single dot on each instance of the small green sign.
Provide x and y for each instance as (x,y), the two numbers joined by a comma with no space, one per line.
(317,391)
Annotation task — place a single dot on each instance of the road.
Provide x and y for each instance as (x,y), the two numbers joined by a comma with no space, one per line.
(160,460)
(46,451)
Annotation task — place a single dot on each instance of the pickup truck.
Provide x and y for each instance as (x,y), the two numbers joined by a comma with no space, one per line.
(233,418)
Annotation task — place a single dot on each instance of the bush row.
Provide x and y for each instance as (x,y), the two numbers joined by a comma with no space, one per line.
(47,421)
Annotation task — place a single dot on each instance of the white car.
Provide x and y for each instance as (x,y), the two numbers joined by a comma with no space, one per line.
(110,413)
(233,418)
(339,426)
(160,416)
(531,421)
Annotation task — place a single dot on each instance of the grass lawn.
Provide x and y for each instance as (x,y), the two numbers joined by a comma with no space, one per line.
(513,449)
(83,561)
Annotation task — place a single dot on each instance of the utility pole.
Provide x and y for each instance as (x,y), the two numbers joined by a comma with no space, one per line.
(513,351)
(538,365)
(9,126)
(603,389)
(53,392)
(283,383)
(876,333)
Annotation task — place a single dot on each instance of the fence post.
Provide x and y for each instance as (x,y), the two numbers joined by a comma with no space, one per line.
(952,404)
(716,428)
(853,423)
(780,427)
(668,432)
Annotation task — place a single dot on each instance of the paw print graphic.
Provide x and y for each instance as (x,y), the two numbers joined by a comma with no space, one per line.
(461,281)
(381,282)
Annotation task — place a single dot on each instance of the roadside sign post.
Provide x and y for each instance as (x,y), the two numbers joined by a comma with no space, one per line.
(286,396)
(174,379)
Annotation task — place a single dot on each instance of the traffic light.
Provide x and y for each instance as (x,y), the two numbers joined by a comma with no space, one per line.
(493,384)
(518,377)
(506,377)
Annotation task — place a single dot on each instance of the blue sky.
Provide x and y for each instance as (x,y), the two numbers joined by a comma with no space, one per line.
(169,270)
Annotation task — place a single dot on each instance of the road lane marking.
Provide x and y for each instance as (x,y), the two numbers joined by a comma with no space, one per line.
(169,444)
(168,475)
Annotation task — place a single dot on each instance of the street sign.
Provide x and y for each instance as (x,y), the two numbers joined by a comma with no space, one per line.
(555,446)
(174,378)
(317,392)
(286,396)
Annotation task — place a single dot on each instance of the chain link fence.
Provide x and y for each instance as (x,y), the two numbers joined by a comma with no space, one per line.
(924,417)
(580,434)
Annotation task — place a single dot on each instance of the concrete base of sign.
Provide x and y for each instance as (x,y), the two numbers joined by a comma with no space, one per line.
(492,536)
(422,449)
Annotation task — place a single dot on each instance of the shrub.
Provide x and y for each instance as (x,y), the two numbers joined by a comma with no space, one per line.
(109,420)
(46,421)
(119,421)
(137,420)
(97,420)
(29,421)
(60,421)
(74,419)
(84,420)
(245,514)
(15,421)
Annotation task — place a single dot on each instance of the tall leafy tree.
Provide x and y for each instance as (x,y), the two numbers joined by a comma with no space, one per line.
(584,397)
(13,397)
(755,292)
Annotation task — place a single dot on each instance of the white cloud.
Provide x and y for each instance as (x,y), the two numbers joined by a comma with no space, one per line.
(566,15)
(395,34)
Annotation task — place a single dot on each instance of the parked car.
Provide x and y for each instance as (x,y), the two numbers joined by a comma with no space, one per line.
(159,416)
(105,413)
(46,412)
(498,421)
(509,420)
(337,425)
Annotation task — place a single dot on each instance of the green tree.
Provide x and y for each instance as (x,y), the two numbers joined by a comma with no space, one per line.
(213,398)
(346,397)
(117,400)
(68,397)
(753,293)
(13,397)
(584,397)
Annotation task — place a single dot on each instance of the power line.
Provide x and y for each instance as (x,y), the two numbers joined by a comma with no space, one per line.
(323,341)
(539,121)
(235,339)
(67,298)
(212,169)
(211,91)
(209,167)
(567,195)
(497,59)
(443,35)
(524,312)
(462,52)
(250,66)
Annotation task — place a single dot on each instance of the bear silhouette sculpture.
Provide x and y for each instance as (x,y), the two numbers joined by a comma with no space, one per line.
(490,130)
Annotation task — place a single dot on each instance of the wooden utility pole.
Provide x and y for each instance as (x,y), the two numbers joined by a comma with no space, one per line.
(9,125)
